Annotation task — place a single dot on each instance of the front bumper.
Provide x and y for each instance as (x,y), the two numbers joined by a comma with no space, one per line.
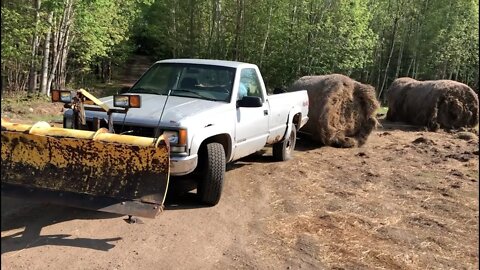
(183,165)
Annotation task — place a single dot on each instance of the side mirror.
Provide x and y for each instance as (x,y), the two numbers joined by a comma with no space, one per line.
(250,102)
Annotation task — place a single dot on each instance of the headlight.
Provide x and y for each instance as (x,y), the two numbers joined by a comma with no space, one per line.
(177,139)
(172,136)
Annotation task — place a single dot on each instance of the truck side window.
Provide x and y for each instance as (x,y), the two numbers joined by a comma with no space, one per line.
(249,84)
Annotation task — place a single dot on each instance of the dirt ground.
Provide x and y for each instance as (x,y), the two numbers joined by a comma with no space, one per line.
(407,199)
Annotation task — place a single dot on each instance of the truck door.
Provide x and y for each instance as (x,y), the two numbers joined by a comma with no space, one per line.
(251,130)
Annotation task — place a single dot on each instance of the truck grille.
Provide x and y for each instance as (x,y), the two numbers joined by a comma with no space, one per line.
(129,130)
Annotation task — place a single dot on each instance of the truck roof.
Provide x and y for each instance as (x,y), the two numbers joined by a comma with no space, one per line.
(225,63)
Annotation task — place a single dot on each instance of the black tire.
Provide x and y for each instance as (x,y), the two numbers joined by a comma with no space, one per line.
(283,151)
(213,162)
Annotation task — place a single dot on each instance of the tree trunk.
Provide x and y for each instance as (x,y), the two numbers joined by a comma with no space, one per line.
(312,14)
(418,37)
(238,29)
(219,50)
(192,28)
(46,55)
(61,45)
(379,69)
(399,60)
(211,30)
(292,21)
(174,28)
(32,77)
(394,33)
(289,48)
(264,45)
(62,75)
(242,33)
(56,38)
(109,71)
(410,66)
(475,83)
(417,67)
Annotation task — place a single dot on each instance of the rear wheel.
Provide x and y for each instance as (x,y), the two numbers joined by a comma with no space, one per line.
(212,174)
(284,150)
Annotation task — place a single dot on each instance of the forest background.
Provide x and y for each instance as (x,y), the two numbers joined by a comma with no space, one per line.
(51,44)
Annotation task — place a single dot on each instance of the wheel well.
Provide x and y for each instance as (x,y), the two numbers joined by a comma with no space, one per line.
(296,120)
(223,139)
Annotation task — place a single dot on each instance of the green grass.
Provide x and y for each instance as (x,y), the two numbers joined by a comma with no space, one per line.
(45,117)
(18,106)
(17,103)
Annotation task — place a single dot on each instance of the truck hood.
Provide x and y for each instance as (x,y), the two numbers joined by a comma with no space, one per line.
(177,111)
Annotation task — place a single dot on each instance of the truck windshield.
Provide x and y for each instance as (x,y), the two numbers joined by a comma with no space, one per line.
(187,80)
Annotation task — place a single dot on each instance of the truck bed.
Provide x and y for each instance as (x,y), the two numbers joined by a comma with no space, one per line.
(279,103)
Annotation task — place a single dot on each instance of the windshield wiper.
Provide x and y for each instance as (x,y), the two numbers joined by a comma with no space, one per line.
(141,90)
(187,91)
(193,92)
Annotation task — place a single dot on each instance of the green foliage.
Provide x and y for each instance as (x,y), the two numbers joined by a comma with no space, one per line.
(373,41)
(17,33)
(102,29)
(426,40)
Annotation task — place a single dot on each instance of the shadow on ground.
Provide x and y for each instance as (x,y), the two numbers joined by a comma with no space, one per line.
(32,217)
(22,221)
(387,125)
(305,143)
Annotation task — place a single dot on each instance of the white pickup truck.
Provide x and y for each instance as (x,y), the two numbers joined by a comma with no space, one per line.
(213,112)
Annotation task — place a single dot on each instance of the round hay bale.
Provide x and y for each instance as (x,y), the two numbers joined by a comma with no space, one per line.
(433,104)
(341,111)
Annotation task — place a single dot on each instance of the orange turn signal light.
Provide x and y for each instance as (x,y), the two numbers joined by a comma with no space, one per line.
(135,101)
(182,136)
(55,95)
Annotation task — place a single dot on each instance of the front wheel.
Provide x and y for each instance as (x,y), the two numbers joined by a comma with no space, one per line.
(212,174)
(284,150)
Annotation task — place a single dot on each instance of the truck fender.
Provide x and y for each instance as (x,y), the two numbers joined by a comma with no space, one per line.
(211,132)
(290,124)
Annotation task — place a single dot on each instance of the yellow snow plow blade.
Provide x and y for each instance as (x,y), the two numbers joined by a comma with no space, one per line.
(95,170)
